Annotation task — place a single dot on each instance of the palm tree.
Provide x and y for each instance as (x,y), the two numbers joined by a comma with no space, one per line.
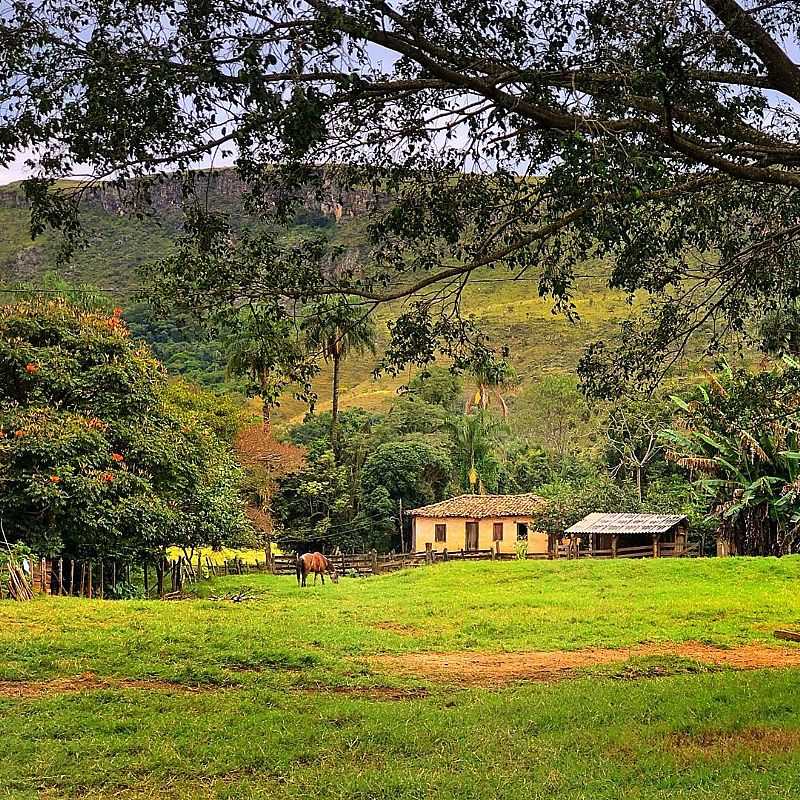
(474,436)
(247,358)
(493,381)
(341,328)
(266,352)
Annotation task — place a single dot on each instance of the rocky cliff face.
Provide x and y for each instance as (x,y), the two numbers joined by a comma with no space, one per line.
(224,188)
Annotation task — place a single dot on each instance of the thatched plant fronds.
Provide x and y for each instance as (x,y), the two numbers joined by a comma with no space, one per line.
(698,464)
(752,447)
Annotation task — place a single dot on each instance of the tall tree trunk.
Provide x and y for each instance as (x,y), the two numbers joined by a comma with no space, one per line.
(337,360)
(266,404)
(266,416)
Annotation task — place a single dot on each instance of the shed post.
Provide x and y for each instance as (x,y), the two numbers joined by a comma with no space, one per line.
(614,538)
(656,545)
(681,538)
(497,549)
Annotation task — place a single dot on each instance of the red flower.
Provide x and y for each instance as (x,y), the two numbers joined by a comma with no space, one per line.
(117,457)
(31,369)
(107,477)
(19,434)
(55,479)
(117,311)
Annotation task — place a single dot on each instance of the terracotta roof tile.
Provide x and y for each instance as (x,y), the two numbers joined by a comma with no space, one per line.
(478,506)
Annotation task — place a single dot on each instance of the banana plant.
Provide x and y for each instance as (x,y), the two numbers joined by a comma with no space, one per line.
(739,438)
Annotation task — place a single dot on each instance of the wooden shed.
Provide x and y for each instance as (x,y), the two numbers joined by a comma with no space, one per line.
(632,535)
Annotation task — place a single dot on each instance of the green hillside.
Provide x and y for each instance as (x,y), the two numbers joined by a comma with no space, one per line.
(511,312)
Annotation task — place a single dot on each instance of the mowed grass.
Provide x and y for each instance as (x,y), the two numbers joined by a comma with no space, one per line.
(277,698)
(321,632)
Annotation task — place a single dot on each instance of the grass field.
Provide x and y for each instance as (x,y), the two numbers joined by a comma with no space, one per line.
(298,693)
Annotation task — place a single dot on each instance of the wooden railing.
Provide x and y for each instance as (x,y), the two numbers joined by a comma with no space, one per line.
(374,563)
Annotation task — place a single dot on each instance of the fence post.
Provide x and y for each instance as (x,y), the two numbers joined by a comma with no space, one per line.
(374,556)
(444,554)
(72,576)
(114,576)
(89,582)
(428,553)
(102,578)
(146,579)
(61,577)
(160,576)
(656,545)
(614,539)
(497,549)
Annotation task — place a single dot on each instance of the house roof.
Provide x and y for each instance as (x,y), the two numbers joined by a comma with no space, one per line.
(627,523)
(478,506)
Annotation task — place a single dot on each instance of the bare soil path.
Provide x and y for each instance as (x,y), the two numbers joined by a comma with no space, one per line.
(492,669)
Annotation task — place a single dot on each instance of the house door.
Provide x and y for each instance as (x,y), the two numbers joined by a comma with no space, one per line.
(471,537)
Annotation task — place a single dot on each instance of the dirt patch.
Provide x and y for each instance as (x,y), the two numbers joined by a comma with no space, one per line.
(489,669)
(398,627)
(87,682)
(716,743)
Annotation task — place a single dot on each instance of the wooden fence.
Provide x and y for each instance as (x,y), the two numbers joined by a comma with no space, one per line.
(373,563)
(103,579)
(100,579)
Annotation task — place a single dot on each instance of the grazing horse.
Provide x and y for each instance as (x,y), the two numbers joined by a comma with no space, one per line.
(318,564)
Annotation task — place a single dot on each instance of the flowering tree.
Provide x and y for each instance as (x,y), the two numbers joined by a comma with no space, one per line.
(95,459)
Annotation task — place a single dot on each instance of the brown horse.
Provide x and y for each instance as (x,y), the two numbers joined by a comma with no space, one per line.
(318,564)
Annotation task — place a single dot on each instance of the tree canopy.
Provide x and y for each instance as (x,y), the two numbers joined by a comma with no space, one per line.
(98,456)
(522,136)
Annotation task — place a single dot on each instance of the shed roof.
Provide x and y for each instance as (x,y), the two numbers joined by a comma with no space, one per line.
(478,506)
(627,523)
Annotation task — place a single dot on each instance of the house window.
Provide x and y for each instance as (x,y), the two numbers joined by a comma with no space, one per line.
(522,532)
(440,533)
(497,532)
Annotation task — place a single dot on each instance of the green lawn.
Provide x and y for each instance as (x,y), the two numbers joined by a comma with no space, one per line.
(271,698)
